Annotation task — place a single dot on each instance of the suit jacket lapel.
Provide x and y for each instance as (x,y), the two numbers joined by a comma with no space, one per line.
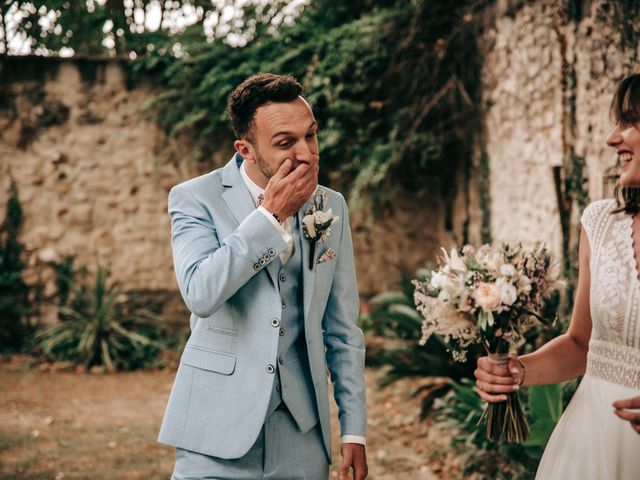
(236,196)
(239,201)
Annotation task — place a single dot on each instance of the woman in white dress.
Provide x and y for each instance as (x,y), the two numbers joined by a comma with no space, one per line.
(598,436)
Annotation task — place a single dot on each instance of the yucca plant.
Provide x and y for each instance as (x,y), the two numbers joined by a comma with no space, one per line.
(96,329)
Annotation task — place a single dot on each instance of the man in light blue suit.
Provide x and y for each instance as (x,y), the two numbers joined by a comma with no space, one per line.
(264,261)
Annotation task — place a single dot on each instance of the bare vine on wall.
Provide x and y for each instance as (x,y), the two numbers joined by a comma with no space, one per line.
(569,179)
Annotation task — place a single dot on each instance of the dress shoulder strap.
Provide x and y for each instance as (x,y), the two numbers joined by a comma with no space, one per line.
(594,219)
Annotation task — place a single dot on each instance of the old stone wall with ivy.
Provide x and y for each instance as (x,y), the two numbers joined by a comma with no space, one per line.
(550,69)
(93,165)
(93,170)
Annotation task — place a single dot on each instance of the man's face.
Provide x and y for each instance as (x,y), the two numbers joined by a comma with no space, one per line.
(281,131)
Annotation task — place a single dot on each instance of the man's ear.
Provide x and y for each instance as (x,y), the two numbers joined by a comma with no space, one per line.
(245,149)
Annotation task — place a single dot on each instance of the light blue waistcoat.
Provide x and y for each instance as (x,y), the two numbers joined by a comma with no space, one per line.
(293,378)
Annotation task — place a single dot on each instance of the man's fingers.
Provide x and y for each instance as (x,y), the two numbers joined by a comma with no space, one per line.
(360,470)
(298,172)
(282,172)
(628,403)
(343,473)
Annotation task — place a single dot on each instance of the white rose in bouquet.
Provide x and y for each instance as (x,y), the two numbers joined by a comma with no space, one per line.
(508,293)
(507,270)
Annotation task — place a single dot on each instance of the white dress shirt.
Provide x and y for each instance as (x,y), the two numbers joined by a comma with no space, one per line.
(286,230)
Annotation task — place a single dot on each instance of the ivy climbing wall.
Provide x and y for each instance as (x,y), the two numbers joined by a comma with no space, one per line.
(550,70)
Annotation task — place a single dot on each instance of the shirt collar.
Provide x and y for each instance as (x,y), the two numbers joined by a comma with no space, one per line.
(254,189)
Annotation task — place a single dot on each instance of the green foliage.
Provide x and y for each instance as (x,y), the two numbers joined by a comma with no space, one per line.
(461,411)
(13,290)
(95,27)
(391,92)
(96,329)
(64,278)
(393,317)
(545,406)
(393,84)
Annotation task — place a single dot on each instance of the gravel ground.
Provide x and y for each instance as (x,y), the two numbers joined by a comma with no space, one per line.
(57,424)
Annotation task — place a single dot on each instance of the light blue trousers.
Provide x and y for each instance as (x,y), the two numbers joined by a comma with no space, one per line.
(281,452)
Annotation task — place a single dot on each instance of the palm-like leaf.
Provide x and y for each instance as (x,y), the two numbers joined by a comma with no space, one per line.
(94,329)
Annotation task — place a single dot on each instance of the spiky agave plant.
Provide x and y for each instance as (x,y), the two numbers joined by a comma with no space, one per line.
(96,329)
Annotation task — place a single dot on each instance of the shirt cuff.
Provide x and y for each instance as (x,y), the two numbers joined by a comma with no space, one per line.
(354,439)
(285,235)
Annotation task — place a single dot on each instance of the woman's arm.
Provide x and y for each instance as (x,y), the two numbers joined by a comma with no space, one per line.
(563,358)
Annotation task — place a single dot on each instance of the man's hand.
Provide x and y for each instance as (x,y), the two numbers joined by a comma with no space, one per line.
(629,410)
(287,191)
(353,456)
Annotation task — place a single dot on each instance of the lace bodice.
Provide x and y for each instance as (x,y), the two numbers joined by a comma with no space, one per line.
(614,348)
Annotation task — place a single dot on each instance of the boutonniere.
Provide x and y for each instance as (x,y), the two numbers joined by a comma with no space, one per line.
(316,223)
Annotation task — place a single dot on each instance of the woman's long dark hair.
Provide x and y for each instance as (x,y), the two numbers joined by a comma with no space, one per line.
(625,109)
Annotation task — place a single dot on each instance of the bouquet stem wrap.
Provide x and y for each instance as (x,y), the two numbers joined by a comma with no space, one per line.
(505,420)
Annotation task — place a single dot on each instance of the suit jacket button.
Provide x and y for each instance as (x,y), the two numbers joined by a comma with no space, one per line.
(270,369)
(256,266)
(283,277)
(275,322)
(262,262)
(266,257)
(272,252)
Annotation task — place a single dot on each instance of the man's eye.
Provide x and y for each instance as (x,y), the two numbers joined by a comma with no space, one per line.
(311,135)
(284,144)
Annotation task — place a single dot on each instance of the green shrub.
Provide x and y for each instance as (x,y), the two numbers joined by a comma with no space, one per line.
(96,329)
(393,319)
(461,410)
(14,328)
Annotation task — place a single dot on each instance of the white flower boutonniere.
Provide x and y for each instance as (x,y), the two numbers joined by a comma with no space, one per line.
(316,223)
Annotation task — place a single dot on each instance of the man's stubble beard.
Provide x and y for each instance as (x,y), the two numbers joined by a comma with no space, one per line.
(262,165)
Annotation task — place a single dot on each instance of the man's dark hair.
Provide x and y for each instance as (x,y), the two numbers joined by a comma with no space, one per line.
(254,92)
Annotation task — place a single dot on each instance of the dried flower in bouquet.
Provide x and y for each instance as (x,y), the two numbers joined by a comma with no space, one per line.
(491,295)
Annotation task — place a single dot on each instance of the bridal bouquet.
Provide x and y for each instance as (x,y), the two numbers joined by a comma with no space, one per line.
(492,296)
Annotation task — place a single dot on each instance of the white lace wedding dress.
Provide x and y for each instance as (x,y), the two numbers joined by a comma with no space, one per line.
(590,442)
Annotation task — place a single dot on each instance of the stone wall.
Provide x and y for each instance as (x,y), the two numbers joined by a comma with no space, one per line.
(89,172)
(548,77)
(93,169)
(93,172)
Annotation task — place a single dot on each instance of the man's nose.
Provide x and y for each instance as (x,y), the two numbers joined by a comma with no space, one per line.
(615,137)
(304,153)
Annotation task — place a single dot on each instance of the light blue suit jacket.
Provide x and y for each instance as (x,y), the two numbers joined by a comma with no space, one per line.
(223,250)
